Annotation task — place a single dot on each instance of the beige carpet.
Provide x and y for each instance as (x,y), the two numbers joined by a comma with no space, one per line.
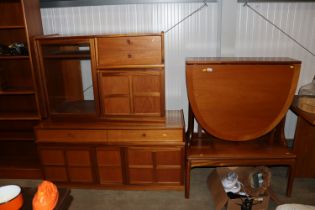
(303,192)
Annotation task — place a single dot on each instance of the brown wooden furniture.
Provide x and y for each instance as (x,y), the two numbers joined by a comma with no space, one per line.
(236,100)
(114,154)
(64,199)
(19,108)
(109,77)
(106,121)
(304,142)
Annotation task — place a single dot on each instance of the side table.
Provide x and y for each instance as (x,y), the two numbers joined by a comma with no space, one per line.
(304,142)
(64,199)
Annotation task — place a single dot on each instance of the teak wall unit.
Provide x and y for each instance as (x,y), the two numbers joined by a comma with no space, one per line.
(126,77)
(19,108)
(105,106)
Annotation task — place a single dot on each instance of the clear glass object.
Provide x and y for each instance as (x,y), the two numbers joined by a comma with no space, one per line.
(306,100)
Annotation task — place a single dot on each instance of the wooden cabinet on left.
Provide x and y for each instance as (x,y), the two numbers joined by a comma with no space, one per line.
(20,21)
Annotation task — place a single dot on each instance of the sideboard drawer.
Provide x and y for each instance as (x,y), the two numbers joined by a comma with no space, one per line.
(74,136)
(145,135)
(129,50)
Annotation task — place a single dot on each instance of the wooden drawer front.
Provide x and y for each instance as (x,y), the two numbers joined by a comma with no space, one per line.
(55,173)
(169,175)
(80,174)
(52,156)
(129,50)
(71,135)
(141,175)
(78,158)
(110,175)
(145,135)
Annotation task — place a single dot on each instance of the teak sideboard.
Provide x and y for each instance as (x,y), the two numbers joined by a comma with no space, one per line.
(114,154)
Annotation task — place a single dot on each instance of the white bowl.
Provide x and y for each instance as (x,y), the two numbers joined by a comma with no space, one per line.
(10,197)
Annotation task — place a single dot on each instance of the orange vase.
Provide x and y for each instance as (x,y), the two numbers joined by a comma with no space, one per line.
(46,196)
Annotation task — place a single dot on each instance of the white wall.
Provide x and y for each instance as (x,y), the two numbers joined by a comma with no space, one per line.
(225,28)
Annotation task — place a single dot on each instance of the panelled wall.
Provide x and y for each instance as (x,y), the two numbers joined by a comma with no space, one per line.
(199,35)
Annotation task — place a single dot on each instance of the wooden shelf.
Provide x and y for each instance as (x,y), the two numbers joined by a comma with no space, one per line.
(131,67)
(17,136)
(12,27)
(19,116)
(70,54)
(76,107)
(17,92)
(13,57)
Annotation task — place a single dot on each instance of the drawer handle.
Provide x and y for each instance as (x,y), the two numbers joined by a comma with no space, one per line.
(128,41)
(207,70)
(129,56)
(144,135)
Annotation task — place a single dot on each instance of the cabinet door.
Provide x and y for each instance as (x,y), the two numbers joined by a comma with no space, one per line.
(155,165)
(79,165)
(169,166)
(54,164)
(64,164)
(132,93)
(115,93)
(140,166)
(109,165)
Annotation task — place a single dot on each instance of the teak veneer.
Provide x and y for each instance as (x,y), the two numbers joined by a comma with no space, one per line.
(114,155)
(240,103)
(304,141)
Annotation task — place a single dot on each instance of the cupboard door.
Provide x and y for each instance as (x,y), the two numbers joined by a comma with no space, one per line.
(132,93)
(67,164)
(56,173)
(115,94)
(129,50)
(52,157)
(109,165)
(80,174)
(79,165)
(147,93)
(140,166)
(169,166)
(155,165)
